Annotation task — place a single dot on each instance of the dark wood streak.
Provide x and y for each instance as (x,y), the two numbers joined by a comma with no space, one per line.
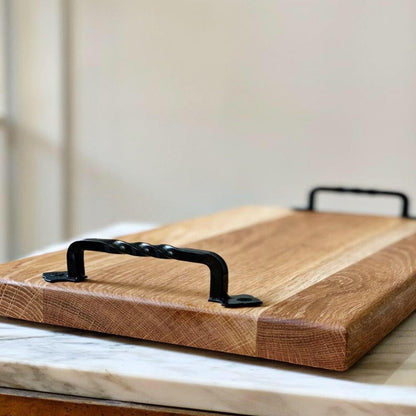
(324,279)
(345,314)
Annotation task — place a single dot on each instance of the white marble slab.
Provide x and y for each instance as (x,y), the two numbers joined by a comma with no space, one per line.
(66,361)
(73,362)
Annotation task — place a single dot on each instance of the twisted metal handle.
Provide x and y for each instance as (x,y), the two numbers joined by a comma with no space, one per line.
(217,265)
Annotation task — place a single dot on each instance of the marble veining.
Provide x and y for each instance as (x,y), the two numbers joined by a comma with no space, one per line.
(68,361)
(75,362)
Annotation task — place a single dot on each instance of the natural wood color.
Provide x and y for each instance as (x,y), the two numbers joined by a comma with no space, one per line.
(209,226)
(21,402)
(327,281)
(334,310)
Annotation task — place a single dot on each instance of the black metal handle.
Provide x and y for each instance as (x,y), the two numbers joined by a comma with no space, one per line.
(217,265)
(312,196)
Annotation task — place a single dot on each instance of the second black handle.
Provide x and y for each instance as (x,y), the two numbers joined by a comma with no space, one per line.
(403,197)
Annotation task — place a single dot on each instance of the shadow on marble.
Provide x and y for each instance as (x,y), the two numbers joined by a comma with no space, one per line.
(390,362)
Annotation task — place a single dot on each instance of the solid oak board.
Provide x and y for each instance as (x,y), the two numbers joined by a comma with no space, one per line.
(332,286)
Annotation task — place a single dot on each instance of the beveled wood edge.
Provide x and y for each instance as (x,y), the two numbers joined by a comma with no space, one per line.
(394,317)
(17,402)
(340,337)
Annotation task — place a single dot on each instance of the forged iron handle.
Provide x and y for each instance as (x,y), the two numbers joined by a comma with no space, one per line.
(217,265)
(313,195)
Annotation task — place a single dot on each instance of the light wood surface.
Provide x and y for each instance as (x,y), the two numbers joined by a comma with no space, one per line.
(333,285)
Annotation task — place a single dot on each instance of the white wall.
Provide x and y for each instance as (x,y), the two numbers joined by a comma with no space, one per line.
(188,106)
(3,139)
(35,124)
(179,108)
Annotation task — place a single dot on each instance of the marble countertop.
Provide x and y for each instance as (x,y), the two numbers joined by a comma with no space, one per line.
(74,362)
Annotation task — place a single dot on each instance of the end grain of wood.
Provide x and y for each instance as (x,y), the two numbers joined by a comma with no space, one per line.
(333,285)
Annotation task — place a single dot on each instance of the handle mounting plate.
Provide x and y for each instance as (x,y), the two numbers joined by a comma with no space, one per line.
(217,265)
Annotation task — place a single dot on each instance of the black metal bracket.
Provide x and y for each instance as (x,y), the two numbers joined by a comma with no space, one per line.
(216,264)
(313,196)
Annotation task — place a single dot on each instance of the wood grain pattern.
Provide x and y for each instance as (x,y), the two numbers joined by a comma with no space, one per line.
(358,306)
(332,285)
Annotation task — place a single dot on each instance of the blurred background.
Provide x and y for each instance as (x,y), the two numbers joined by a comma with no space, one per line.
(160,110)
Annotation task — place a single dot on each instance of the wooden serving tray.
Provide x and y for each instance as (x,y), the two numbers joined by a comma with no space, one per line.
(332,286)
